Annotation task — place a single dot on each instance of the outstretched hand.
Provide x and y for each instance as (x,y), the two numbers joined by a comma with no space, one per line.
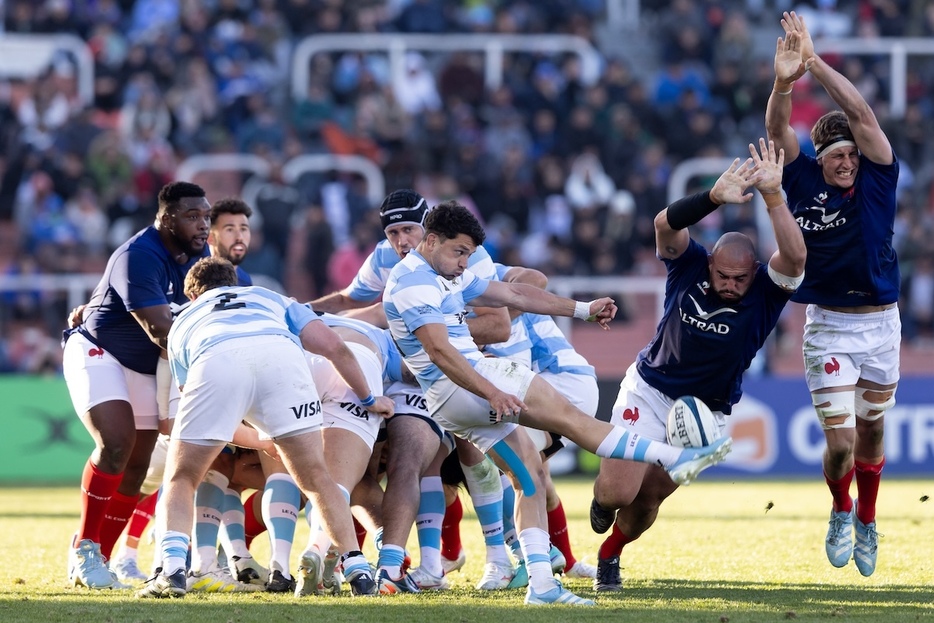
(792,22)
(730,186)
(789,63)
(767,168)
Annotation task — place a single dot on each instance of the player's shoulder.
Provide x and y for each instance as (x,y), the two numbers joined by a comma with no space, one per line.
(384,256)
(144,247)
(481,264)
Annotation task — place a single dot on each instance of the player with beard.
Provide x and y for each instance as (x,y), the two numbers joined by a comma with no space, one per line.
(230,234)
(485,399)
(110,364)
(719,309)
(228,237)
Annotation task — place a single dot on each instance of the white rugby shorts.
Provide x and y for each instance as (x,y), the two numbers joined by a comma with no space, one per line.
(469,416)
(580,389)
(409,401)
(839,349)
(94,376)
(641,408)
(261,379)
(341,407)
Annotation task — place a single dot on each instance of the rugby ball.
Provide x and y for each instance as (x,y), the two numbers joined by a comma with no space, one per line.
(691,424)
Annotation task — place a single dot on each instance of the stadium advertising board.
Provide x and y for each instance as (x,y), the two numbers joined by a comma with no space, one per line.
(43,441)
(774,428)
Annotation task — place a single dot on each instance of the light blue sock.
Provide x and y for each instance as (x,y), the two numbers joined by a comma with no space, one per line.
(233,534)
(428,524)
(391,558)
(623,444)
(281,498)
(486,493)
(174,551)
(209,498)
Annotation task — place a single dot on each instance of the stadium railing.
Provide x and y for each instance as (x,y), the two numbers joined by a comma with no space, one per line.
(396,45)
(27,56)
(292,170)
(896,48)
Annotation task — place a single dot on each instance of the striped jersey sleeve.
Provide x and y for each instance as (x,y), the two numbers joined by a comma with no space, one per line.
(551,351)
(371,279)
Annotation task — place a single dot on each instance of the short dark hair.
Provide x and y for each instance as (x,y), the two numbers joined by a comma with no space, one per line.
(173,192)
(209,273)
(450,219)
(230,205)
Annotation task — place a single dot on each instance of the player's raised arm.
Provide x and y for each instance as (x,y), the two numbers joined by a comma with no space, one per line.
(869,137)
(671,235)
(788,260)
(789,65)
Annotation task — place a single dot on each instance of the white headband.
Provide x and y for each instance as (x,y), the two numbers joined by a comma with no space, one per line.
(829,147)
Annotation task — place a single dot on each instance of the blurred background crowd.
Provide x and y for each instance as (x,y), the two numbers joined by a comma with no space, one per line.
(566,175)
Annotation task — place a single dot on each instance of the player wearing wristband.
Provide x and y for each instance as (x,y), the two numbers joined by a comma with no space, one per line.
(349,430)
(485,399)
(242,348)
(719,309)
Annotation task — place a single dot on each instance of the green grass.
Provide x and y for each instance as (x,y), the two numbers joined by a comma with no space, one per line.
(714,555)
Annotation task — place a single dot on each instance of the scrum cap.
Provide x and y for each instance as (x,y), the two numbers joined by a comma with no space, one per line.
(403,206)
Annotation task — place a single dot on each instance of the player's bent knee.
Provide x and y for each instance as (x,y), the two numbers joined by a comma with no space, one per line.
(871,404)
(834,410)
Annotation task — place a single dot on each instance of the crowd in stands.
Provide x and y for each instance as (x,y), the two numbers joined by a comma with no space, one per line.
(566,176)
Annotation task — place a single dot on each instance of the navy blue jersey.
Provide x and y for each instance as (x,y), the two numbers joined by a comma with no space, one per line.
(141,273)
(243,278)
(703,345)
(848,233)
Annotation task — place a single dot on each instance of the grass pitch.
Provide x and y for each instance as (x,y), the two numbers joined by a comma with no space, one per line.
(721,552)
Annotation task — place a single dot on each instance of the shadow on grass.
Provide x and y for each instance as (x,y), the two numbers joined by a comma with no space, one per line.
(655,601)
(807,596)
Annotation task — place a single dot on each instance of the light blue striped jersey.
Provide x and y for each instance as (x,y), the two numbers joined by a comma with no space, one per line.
(551,351)
(380,338)
(518,347)
(372,277)
(415,296)
(394,362)
(231,312)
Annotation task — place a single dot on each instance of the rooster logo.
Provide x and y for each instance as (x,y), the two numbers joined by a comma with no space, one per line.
(631,415)
(833,367)
(96,352)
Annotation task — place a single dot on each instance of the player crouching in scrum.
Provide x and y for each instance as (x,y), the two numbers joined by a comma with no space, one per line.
(236,352)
